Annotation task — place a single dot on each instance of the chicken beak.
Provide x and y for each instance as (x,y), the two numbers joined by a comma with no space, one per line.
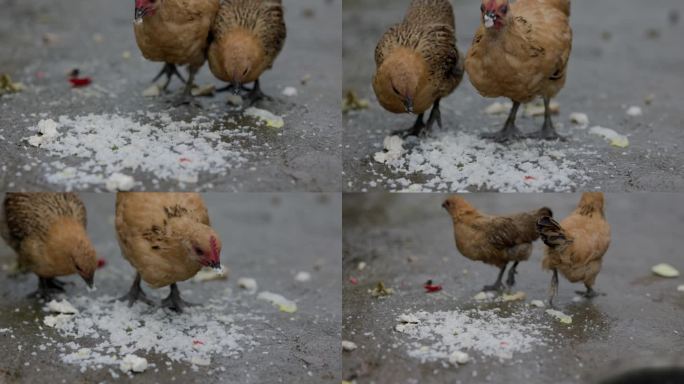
(139,14)
(445,205)
(489,18)
(89,281)
(236,87)
(408,104)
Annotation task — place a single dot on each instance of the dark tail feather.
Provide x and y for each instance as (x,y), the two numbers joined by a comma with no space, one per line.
(551,232)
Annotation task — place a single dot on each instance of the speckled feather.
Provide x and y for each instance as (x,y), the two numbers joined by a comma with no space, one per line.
(262,17)
(528,58)
(145,228)
(178,33)
(32,214)
(429,30)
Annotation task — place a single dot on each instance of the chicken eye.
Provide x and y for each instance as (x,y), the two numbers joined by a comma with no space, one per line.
(79,268)
(504,9)
(245,72)
(395,90)
(198,251)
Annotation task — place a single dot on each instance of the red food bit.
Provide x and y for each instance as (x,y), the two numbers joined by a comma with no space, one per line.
(197,342)
(101,263)
(353,280)
(40,75)
(429,287)
(185,160)
(527,178)
(78,82)
(504,343)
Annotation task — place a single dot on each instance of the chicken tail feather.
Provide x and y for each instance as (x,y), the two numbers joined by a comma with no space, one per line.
(551,232)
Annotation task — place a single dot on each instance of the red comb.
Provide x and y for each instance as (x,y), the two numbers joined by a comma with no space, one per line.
(214,247)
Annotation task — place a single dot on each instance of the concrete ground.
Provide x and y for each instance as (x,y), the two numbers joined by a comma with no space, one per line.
(265,236)
(94,35)
(623,51)
(638,322)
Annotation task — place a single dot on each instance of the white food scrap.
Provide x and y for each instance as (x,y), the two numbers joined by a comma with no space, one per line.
(484,295)
(580,119)
(680,288)
(283,304)
(133,363)
(634,111)
(615,139)
(119,182)
(520,295)
(152,91)
(393,149)
(208,274)
(57,321)
(458,357)
(303,277)
(248,284)
(267,117)
(290,91)
(665,270)
(348,346)
(47,130)
(498,108)
(562,317)
(537,303)
(62,306)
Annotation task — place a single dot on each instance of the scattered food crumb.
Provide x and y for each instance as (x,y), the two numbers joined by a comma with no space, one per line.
(78,81)
(269,118)
(580,119)
(235,100)
(458,357)
(62,306)
(119,182)
(352,102)
(680,288)
(8,86)
(484,295)
(665,270)
(290,91)
(208,274)
(348,346)
(381,291)
(520,295)
(133,363)
(537,109)
(537,303)
(152,91)
(615,139)
(361,266)
(562,317)
(56,321)
(303,277)
(126,55)
(498,108)
(47,130)
(283,304)
(205,90)
(248,284)
(634,111)
(393,150)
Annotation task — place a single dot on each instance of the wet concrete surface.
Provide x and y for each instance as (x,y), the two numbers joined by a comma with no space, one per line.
(93,36)
(623,51)
(267,237)
(639,321)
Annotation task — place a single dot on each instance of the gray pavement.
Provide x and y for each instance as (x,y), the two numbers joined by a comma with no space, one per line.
(94,35)
(637,323)
(623,51)
(267,237)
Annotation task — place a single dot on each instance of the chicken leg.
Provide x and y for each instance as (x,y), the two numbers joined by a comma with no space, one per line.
(420,128)
(547,131)
(509,132)
(553,288)
(498,285)
(169,70)
(255,94)
(186,97)
(589,293)
(136,293)
(174,301)
(510,281)
(47,288)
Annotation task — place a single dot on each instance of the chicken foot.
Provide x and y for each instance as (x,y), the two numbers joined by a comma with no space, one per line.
(510,281)
(547,131)
(47,288)
(255,94)
(174,301)
(589,293)
(553,288)
(136,293)
(509,132)
(498,285)
(186,97)
(419,128)
(169,70)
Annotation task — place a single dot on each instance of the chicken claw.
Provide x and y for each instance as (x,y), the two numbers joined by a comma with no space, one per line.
(256,94)
(589,293)
(498,285)
(547,132)
(169,70)
(174,301)
(421,129)
(136,293)
(509,132)
(510,281)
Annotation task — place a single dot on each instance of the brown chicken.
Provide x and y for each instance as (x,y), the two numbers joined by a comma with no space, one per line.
(48,233)
(521,51)
(418,63)
(248,36)
(494,240)
(167,238)
(576,246)
(175,32)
